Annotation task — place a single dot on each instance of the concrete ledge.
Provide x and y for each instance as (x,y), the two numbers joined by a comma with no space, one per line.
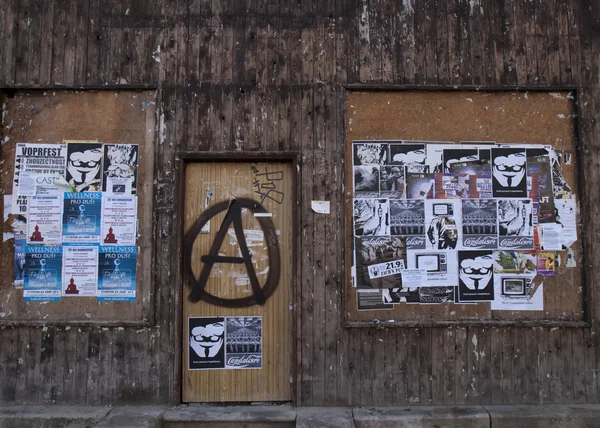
(554,416)
(422,417)
(230,416)
(324,417)
(50,416)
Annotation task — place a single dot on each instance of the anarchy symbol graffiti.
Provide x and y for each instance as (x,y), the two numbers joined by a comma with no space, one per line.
(260,294)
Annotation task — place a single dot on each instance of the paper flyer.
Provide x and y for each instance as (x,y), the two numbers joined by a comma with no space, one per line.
(400,295)
(409,153)
(116,273)
(455,186)
(508,172)
(551,236)
(443,224)
(546,263)
(441,266)
(481,169)
(517,293)
(515,224)
(435,153)
(84,166)
(392,183)
(371,217)
(81,217)
(44,224)
(476,276)
(80,270)
(45,159)
(119,220)
(480,223)
(120,168)
(43,266)
(379,261)
(567,217)
(419,185)
(243,342)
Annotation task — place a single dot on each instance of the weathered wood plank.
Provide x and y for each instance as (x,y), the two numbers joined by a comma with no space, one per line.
(508,371)
(543,366)
(449,366)
(438,365)
(70,37)
(22,57)
(496,373)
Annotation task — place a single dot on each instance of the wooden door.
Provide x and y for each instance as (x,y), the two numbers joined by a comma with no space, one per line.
(237,306)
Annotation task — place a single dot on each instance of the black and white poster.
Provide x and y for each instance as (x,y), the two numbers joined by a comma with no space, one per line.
(435,155)
(436,295)
(407,217)
(443,224)
(480,223)
(206,343)
(371,217)
(120,169)
(369,153)
(371,300)
(366,181)
(508,172)
(243,343)
(392,182)
(419,185)
(515,224)
(84,166)
(378,251)
(475,276)
(408,154)
(401,295)
(459,155)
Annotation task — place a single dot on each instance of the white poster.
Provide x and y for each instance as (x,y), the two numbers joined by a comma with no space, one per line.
(516,292)
(80,271)
(567,217)
(44,225)
(119,215)
(44,159)
(441,266)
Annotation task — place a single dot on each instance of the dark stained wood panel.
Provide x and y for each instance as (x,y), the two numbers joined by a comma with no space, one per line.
(232,76)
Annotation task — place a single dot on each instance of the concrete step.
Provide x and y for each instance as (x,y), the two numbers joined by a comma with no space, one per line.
(42,416)
(324,417)
(421,417)
(133,417)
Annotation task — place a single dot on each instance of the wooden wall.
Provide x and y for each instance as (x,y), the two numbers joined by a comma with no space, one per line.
(270,75)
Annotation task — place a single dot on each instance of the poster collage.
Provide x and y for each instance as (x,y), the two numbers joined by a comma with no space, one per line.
(437,222)
(225,343)
(75,220)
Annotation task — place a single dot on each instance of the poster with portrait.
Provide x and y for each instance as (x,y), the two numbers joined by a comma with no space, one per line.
(508,172)
(84,166)
(120,169)
(408,154)
(475,276)
(443,229)
(379,261)
(481,169)
(366,181)
(419,185)
(462,154)
(392,182)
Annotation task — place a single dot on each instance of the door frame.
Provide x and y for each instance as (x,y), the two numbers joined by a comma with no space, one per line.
(182,159)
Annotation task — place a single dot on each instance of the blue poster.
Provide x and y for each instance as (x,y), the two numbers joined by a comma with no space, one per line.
(19,260)
(116,273)
(43,272)
(81,217)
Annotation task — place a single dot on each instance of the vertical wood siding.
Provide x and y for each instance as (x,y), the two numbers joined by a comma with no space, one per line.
(268,75)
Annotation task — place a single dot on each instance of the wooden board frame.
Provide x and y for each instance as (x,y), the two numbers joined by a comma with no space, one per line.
(149,257)
(181,160)
(584,216)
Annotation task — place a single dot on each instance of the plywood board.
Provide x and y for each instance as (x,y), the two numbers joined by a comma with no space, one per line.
(503,117)
(107,116)
(206,186)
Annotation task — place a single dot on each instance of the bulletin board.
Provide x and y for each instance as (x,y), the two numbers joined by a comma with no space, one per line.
(109,117)
(503,118)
